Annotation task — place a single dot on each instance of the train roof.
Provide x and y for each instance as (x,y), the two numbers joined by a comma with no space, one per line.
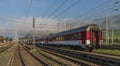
(84,28)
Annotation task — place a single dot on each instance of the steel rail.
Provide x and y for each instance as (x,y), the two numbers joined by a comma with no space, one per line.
(92,57)
(38,59)
(78,61)
(21,58)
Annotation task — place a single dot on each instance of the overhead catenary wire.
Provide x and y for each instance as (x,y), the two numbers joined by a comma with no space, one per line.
(91,14)
(59,7)
(90,11)
(69,7)
(29,7)
(103,11)
(50,7)
(95,16)
(26,5)
(97,7)
(72,5)
(114,8)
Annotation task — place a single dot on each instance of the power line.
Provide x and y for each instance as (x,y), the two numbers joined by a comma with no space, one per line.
(60,6)
(91,10)
(73,4)
(103,11)
(29,6)
(51,6)
(82,15)
(98,13)
(26,7)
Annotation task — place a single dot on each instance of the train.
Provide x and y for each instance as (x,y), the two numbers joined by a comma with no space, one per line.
(86,37)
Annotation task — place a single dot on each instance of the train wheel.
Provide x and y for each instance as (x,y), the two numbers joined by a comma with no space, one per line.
(90,49)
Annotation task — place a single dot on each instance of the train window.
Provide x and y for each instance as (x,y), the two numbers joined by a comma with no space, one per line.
(67,37)
(70,37)
(95,34)
(62,38)
(77,36)
(83,35)
(56,38)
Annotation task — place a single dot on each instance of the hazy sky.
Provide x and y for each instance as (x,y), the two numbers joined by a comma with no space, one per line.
(43,8)
(18,14)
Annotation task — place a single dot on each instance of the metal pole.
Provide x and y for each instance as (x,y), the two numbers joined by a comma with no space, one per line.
(107,36)
(16,36)
(33,32)
(58,26)
(65,25)
(112,36)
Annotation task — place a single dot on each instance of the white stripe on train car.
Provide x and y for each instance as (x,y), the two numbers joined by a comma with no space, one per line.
(72,43)
(77,42)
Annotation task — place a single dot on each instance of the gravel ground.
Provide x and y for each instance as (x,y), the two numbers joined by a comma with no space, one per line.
(16,61)
(28,59)
(6,56)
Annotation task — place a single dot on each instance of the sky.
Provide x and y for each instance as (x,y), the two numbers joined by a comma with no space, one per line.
(17,15)
(43,8)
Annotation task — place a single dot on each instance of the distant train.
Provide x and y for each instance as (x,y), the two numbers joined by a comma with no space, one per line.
(86,37)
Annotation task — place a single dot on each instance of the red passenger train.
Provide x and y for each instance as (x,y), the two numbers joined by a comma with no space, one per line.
(86,37)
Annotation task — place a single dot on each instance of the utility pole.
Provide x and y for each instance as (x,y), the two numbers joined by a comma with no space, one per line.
(112,36)
(33,32)
(107,36)
(16,36)
(58,26)
(65,25)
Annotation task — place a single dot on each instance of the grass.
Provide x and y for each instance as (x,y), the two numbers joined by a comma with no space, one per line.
(116,34)
(110,45)
(4,57)
(108,51)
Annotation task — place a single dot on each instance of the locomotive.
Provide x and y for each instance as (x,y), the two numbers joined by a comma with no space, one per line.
(86,37)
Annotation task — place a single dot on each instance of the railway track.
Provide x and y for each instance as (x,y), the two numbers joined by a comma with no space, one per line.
(17,60)
(63,60)
(2,49)
(29,59)
(50,59)
(101,59)
(105,53)
(54,59)
(111,54)
(6,49)
(113,46)
(26,57)
(110,47)
(6,55)
(72,61)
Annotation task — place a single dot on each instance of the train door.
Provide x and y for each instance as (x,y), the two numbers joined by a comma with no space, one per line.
(95,39)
